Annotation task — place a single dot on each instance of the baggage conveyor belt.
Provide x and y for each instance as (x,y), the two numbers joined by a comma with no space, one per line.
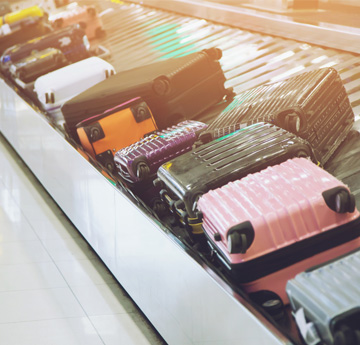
(181,294)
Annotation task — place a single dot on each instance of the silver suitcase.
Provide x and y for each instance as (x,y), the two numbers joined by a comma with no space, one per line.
(326,301)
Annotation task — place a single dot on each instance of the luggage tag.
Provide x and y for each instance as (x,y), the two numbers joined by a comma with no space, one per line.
(307,329)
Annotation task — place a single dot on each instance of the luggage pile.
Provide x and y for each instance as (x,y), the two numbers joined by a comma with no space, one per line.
(248,188)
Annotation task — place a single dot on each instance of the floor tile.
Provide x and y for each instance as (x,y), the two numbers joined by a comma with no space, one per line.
(73,331)
(129,329)
(58,228)
(69,249)
(31,305)
(103,299)
(22,252)
(85,272)
(40,275)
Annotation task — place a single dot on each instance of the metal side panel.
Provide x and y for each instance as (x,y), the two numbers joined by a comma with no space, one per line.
(185,301)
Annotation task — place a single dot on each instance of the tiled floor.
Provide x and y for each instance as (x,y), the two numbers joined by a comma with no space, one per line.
(53,288)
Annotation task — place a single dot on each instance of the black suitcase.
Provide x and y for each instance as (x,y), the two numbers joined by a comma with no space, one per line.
(345,163)
(4,8)
(23,31)
(185,178)
(71,40)
(175,89)
(37,64)
(313,105)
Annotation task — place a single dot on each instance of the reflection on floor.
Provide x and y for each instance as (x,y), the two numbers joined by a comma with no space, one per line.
(53,288)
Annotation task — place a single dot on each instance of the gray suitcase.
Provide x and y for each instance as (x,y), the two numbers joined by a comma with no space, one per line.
(326,301)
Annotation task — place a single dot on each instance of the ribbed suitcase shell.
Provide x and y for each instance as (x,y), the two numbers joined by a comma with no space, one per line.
(318,97)
(175,89)
(86,16)
(55,88)
(22,31)
(329,295)
(71,40)
(104,134)
(226,159)
(293,228)
(37,64)
(141,160)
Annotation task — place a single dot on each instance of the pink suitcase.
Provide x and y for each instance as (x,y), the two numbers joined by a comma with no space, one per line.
(269,226)
(85,16)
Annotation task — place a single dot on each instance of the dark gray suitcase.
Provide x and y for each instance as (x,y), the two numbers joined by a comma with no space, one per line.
(37,64)
(175,89)
(314,105)
(185,178)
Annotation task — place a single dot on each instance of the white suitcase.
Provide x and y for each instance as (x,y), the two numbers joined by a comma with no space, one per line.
(57,87)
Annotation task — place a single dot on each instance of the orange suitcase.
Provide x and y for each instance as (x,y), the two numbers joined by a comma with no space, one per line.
(104,134)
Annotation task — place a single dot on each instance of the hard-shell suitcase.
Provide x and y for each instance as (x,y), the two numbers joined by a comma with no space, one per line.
(55,88)
(271,225)
(85,16)
(140,161)
(345,163)
(314,105)
(187,177)
(326,301)
(71,40)
(26,13)
(37,64)
(22,31)
(4,8)
(174,89)
(104,134)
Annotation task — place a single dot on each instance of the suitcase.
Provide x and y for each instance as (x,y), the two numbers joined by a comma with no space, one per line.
(26,13)
(140,161)
(313,105)
(85,16)
(187,177)
(22,31)
(345,163)
(104,134)
(174,89)
(271,225)
(72,41)
(4,8)
(326,301)
(37,64)
(55,88)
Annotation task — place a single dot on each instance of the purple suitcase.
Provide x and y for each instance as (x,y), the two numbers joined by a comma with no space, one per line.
(140,161)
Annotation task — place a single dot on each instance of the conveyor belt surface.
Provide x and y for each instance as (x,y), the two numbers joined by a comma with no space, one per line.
(139,35)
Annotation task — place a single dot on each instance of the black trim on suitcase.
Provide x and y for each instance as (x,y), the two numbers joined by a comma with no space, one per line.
(275,261)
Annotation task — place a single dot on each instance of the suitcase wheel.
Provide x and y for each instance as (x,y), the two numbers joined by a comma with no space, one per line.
(142,171)
(109,73)
(91,11)
(99,32)
(49,98)
(347,336)
(158,183)
(214,53)
(83,25)
(339,200)
(292,123)
(302,153)
(158,207)
(240,237)
(270,302)
(161,86)
(58,23)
